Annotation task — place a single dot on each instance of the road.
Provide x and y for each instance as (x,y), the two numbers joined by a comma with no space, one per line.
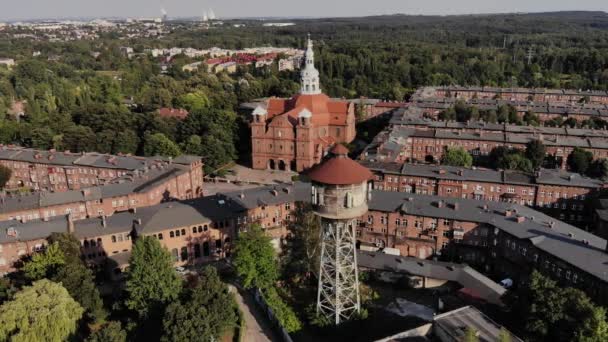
(258,327)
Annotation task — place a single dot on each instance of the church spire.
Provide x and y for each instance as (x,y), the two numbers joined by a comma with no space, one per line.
(310,75)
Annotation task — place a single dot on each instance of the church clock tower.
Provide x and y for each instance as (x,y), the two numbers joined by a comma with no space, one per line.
(310,75)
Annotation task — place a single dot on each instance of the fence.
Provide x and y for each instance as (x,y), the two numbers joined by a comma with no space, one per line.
(259,299)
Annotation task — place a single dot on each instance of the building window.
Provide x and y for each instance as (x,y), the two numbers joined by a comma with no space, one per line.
(160,236)
(175,255)
(194,230)
(184,253)
(113,240)
(171,234)
(183,232)
(197,250)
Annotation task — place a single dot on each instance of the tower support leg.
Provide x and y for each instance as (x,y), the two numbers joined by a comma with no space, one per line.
(338,293)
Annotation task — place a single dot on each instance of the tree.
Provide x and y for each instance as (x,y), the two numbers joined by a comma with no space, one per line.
(159,145)
(5,175)
(61,263)
(78,280)
(535,152)
(254,259)
(457,156)
(44,264)
(6,290)
(549,312)
(470,335)
(41,312)
(599,169)
(531,118)
(579,160)
(205,313)
(110,332)
(302,243)
(284,313)
(193,145)
(504,335)
(152,282)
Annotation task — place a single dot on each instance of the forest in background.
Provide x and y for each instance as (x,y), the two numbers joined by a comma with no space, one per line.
(77,101)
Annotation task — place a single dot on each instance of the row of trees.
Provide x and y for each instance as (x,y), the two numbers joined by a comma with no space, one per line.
(464,112)
(529,159)
(63,300)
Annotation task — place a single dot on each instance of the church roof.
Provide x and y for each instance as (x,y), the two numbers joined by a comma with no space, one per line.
(339,169)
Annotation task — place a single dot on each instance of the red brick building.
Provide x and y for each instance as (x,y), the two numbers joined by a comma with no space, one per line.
(294,134)
(62,171)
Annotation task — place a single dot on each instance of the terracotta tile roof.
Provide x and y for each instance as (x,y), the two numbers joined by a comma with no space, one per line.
(173,113)
(339,169)
(325,110)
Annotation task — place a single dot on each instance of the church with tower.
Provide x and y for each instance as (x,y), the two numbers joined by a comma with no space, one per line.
(294,134)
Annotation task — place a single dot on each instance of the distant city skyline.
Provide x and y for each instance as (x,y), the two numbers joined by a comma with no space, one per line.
(51,9)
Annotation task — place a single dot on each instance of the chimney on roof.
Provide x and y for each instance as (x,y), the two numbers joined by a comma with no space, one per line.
(104,223)
(241,195)
(440,204)
(287,190)
(23,219)
(520,219)
(460,172)
(137,221)
(441,171)
(508,213)
(274,192)
(456,206)
(70,220)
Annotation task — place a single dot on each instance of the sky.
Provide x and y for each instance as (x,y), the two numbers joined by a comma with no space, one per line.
(49,9)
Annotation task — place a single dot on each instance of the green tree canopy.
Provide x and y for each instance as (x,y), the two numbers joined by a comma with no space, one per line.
(204,313)
(548,312)
(152,282)
(535,152)
(5,175)
(579,160)
(61,263)
(255,259)
(44,264)
(41,312)
(457,156)
(159,145)
(109,332)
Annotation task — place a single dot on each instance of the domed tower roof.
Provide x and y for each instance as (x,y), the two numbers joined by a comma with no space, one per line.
(339,169)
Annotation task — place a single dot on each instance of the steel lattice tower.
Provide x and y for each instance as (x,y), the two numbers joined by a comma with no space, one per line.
(340,191)
(338,293)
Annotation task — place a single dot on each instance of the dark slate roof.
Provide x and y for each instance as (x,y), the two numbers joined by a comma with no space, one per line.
(460,273)
(544,176)
(32,230)
(583,250)
(92,227)
(266,195)
(456,322)
(119,187)
(93,159)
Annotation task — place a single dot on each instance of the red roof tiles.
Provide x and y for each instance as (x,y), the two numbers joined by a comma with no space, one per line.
(339,169)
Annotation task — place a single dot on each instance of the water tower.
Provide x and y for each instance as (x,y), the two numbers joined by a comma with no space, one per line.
(340,191)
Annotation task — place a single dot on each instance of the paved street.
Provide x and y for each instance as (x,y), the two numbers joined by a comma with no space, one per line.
(257,325)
